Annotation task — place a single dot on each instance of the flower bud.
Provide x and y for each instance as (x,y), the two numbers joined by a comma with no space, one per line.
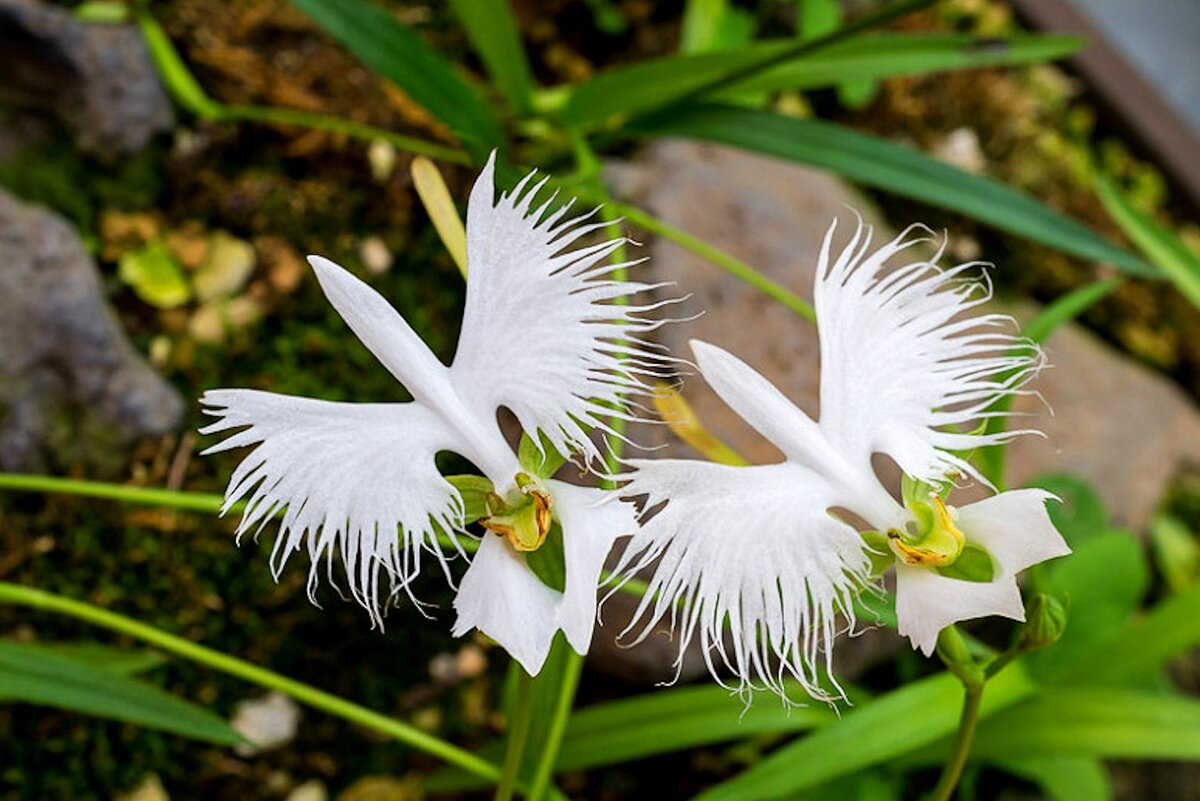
(1045,620)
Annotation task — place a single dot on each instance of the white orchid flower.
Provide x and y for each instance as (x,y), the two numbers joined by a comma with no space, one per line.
(769,550)
(540,336)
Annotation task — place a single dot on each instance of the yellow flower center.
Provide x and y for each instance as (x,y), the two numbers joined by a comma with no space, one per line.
(524,520)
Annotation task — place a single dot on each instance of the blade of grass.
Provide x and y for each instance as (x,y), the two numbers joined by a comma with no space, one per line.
(493,33)
(893,168)
(1158,244)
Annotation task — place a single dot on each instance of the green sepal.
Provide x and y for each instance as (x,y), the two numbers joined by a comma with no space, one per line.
(878,551)
(549,562)
(542,462)
(474,491)
(954,652)
(973,564)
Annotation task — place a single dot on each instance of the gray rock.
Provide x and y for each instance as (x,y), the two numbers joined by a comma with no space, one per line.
(1114,423)
(98,80)
(69,380)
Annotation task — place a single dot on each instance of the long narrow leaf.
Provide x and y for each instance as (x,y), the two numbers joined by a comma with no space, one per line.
(1110,723)
(893,168)
(37,675)
(1063,778)
(494,35)
(381,42)
(650,84)
(908,718)
(1157,243)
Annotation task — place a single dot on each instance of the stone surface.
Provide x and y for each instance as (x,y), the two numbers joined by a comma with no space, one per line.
(63,356)
(1116,424)
(98,80)
(268,722)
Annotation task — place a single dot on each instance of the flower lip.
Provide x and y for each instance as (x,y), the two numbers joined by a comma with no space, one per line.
(525,519)
(936,540)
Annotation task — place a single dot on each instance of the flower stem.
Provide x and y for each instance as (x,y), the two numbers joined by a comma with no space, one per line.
(518,735)
(305,694)
(735,267)
(558,726)
(952,770)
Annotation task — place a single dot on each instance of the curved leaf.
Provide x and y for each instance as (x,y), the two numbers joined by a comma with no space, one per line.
(893,168)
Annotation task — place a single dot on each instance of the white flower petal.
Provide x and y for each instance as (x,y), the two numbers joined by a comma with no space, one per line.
(1015,529)
(591,520)
(385,333)
(503,598)
(358,479)
(927,602)
(899,361)
(753,548)
(763,406)
(540,333)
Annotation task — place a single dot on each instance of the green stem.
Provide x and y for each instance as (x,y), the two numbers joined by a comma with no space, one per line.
(143,496)
(357,130)
(735,267)
(952,770)
(305,694)
(544,771)
(518,736)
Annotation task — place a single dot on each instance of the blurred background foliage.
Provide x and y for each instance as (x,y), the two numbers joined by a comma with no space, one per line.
(200,239)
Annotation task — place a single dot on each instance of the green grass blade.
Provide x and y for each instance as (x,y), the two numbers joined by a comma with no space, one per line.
(877,732)
(1159,245)
(126,661)
(397,53)
(38,675)
(493,33)
(650,84)
(893,168)
(656,723)
(1063,778)
(1109,723)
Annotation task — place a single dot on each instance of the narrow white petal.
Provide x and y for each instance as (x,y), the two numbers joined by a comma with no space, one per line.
(751,548)
(900,361)
(541,334)
(591,520)
(358,479)
(385,333)
(1016,530)
(1014,527)
(503,598)
(763,406)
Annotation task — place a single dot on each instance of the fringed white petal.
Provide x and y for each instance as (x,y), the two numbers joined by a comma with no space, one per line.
(1015,529)
(541,334)
(902,361)
(751,548)
(503,598)
(353,479)
(592,520)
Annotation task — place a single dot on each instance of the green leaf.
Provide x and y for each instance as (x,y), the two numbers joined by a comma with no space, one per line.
(874,733)
(1159,245)
(38,675)
(154,276)
(101,12)
(1176,552)
(1080,515)
(894,168)
(1103,582)
(542,461)
(652,84)
(393,50)
(1171,628)
(174,73)
(1063,778)
(494,35)
(710,25)
(125,661)
(1103,722)
(656,723)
